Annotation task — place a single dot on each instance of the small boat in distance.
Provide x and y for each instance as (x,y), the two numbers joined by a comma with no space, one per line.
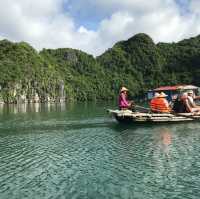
(172,92)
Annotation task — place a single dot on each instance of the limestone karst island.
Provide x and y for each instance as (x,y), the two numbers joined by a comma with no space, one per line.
(69,74)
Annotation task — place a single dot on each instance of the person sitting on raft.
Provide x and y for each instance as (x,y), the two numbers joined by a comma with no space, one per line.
(183,105)
(123,102)
(191,98)
(159,103)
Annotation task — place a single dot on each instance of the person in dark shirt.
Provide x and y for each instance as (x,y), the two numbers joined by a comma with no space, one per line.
(182,105)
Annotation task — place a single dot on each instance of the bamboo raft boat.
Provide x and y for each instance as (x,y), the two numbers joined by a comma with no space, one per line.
(128,116)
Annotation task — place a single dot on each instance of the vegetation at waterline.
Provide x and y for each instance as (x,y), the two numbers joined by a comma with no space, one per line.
(56,75)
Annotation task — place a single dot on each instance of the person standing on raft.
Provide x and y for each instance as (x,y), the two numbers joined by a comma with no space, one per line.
(123,102)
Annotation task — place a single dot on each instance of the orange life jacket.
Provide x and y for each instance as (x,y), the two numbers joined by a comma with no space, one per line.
(159,105)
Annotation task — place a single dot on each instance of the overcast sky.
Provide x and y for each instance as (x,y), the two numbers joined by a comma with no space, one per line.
(95,25)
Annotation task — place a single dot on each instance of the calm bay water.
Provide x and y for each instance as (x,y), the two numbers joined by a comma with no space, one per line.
(78,151)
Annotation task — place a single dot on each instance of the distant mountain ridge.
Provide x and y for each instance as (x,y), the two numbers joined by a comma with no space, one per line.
(56,75)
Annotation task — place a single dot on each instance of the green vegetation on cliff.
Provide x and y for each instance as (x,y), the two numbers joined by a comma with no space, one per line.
(83,76)
(24,73)
(56,75)
(141,65)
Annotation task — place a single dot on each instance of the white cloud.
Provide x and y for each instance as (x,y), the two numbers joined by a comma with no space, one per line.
(38,8)
(45,25)
(165,24)
(112,6)
(195,6)
(117,25)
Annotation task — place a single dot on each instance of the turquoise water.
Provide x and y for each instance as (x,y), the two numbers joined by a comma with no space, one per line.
(78,151)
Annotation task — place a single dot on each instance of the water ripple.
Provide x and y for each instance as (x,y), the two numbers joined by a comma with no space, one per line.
(59,157)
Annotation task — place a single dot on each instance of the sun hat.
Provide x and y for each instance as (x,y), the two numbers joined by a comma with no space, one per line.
(190,92)
(162,94)
(156,95)
(123,89)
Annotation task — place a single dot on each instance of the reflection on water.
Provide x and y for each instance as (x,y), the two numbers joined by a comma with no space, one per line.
(77,151)
(166,136)
(33,107)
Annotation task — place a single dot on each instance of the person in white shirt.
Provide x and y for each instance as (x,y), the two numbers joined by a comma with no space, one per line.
(191,102)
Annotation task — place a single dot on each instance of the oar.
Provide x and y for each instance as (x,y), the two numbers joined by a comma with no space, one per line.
(142,107)
(137,106)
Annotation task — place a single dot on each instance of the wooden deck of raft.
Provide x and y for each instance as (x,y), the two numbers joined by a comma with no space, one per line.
(153,117)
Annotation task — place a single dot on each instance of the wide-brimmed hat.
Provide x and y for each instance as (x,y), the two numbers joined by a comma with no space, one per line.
(162,94)
(156,95)
(190,92)
(123,89)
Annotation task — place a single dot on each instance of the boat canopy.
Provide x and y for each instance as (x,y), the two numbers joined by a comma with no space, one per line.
(172,91)
(177,87)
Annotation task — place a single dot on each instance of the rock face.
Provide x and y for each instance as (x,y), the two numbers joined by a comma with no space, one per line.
(18,94)
(26,77)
